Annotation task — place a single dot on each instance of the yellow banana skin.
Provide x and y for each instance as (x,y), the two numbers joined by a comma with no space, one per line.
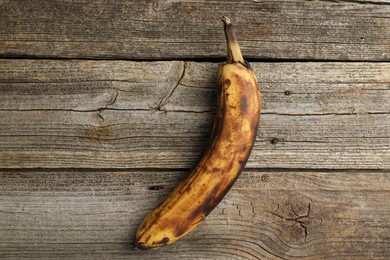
(232,138)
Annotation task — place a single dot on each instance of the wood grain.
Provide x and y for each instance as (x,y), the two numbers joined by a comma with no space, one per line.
(120,114)
(166,29)
(266,215)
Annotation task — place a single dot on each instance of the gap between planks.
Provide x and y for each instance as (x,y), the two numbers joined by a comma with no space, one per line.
(174,59)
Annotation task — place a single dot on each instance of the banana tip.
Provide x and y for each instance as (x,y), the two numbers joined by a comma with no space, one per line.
(139,246)
(226,20)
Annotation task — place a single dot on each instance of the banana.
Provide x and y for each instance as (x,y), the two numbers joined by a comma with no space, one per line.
(233,134)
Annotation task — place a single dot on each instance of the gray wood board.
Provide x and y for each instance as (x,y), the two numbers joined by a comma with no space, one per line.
(121,114)
(266,215)
(331,30)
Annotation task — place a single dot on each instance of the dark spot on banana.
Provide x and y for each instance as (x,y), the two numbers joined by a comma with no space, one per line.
(163,242)
(205,208)
(229,166)
(227,82)
(215,170)
(148,238)
(212,201)
(180,230)
(182,227)
(244,104)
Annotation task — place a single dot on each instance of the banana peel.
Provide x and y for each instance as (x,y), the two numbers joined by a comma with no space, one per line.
(232,138)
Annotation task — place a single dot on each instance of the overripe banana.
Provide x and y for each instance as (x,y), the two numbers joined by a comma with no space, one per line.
(232,138)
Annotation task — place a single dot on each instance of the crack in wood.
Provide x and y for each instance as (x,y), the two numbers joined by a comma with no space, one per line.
(108,109)
(299,219)
(110,102)
(365,2)
(329,114)
(165,99)
(185,111)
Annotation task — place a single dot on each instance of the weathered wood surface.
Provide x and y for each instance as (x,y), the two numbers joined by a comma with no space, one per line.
(266,215)
(120,114)
(88,147)
(167,29)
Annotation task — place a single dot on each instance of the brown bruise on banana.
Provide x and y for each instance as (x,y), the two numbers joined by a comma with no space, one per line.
(232,138)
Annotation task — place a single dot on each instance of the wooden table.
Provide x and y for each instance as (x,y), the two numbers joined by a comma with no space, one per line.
(106,105)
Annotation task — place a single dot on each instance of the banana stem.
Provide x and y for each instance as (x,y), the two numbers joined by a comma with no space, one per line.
(233,50)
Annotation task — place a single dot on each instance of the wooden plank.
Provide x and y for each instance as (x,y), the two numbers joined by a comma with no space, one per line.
(266,215)
(335,30)
(118,114)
